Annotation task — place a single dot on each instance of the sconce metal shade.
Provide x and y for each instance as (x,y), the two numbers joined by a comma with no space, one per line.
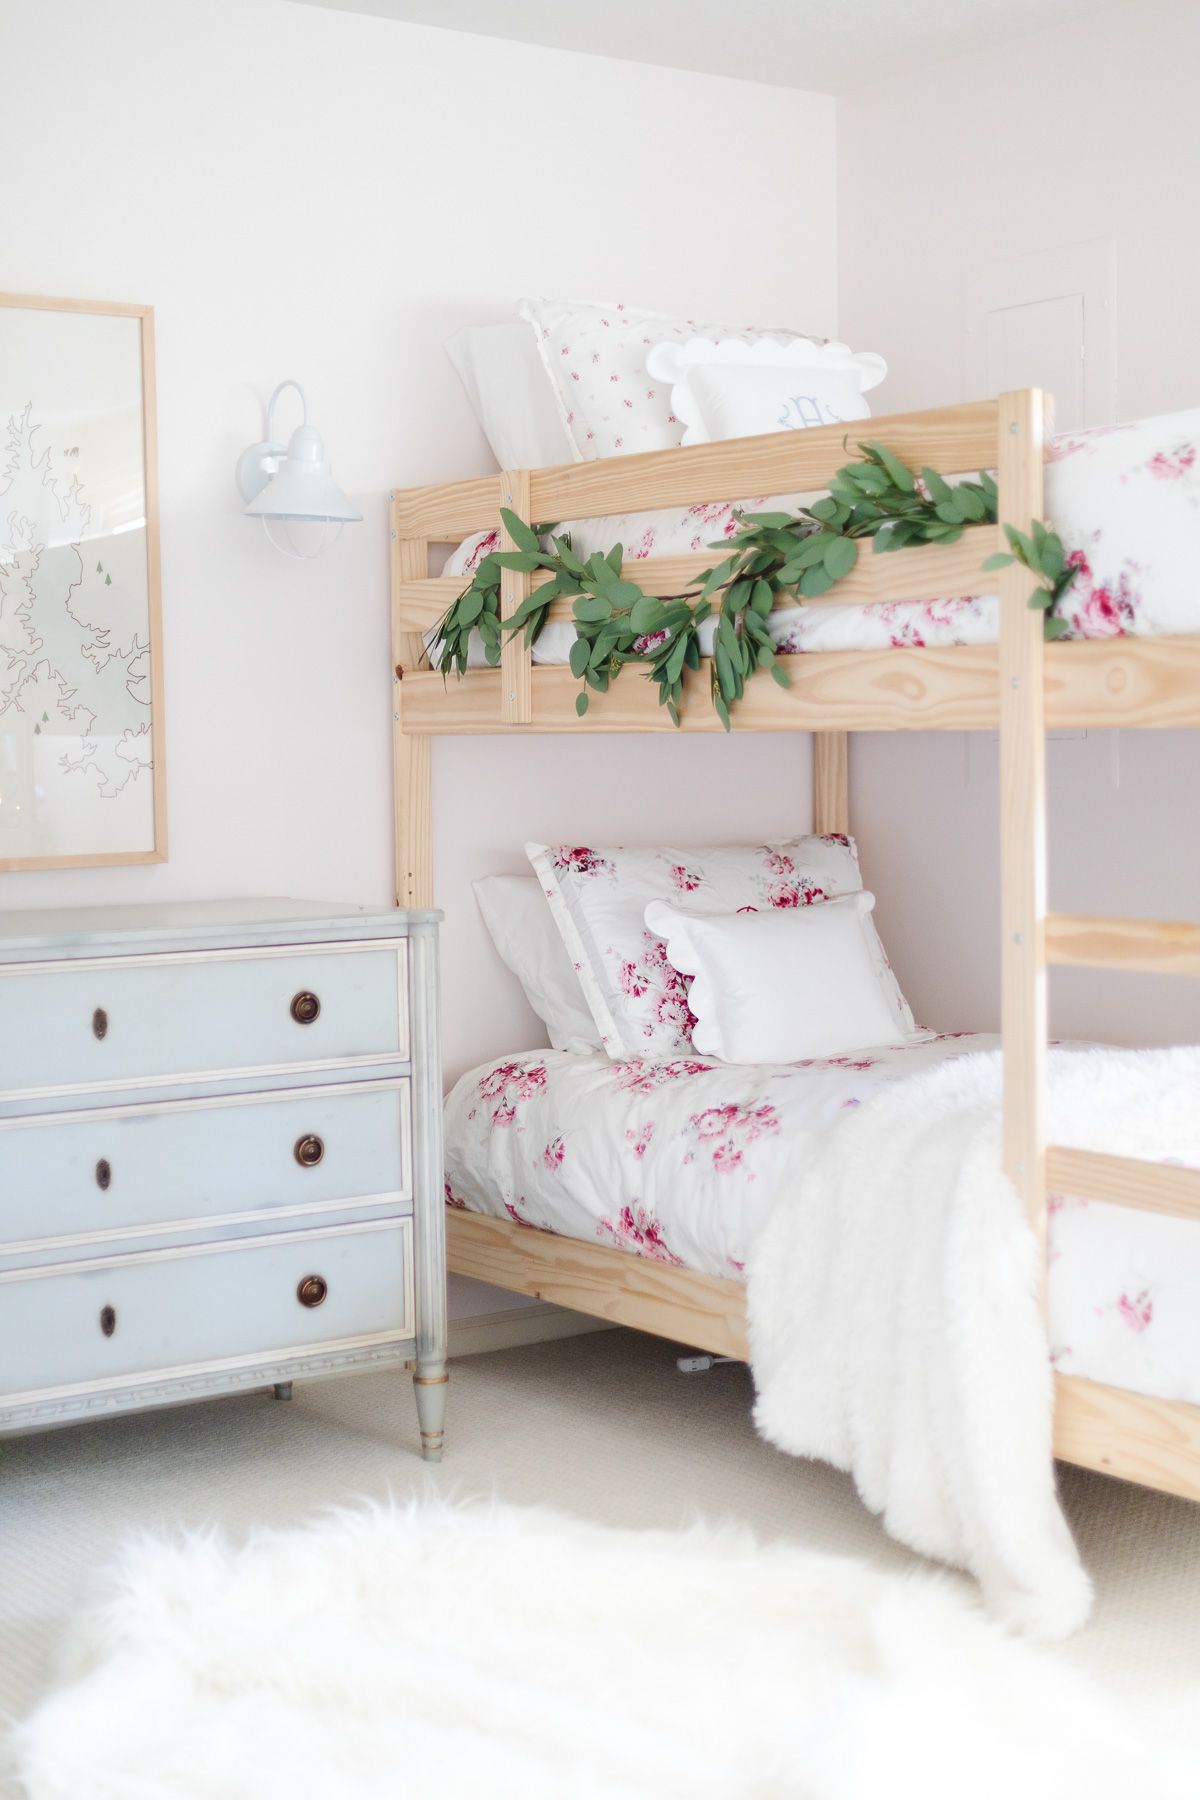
(303,488)
(292,484)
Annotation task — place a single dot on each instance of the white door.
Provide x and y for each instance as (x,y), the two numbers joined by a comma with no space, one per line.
(1047,319)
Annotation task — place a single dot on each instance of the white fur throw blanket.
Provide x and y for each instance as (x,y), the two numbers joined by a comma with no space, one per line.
(894,1325)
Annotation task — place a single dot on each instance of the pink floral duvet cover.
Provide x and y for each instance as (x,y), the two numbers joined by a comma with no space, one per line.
(681,1161)
(1124,498)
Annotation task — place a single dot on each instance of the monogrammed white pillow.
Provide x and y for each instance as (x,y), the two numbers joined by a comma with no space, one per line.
(783,987)
(732,388)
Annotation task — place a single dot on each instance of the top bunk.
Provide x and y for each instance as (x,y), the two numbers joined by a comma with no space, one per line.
(1108,680)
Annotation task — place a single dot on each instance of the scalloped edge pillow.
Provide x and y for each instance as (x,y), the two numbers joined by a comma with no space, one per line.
(731,388)
(594,353)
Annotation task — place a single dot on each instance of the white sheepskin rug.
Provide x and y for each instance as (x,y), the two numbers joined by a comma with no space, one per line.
(437,1652)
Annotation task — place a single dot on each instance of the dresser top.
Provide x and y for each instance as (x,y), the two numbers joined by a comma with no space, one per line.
(194,924)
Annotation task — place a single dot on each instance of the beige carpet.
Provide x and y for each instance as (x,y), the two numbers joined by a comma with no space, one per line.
(603,1426)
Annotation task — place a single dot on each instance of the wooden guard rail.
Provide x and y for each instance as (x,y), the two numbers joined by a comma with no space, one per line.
(1124,1181)
(1144,946)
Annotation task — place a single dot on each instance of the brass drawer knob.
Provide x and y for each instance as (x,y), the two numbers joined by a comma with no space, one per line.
(108,1320)
(312,1290)
(104,1174)
(309,1150)
(305,1007)
(100,1024)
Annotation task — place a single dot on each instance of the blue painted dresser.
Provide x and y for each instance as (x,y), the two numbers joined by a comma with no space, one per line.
(220,1155)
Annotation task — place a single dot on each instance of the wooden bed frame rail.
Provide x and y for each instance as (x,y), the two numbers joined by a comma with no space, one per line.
(1020,687)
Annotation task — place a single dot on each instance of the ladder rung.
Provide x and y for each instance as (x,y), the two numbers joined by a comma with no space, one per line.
(1125,1181)
(1153,946)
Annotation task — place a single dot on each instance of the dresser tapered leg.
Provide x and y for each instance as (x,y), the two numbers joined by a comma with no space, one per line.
(429,1385)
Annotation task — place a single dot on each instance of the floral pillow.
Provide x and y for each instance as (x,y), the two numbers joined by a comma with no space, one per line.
(599,898)
(595,356)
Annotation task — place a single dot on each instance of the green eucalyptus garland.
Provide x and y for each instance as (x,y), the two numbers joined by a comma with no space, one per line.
(773,556)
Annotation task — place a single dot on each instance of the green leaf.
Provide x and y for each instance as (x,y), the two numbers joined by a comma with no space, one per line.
(1001,560)
(581,704)
(768,520)
(1041,600)
(1021,545)
(523,560)
(1053,557)
(901,476)
(840,557)
(722,711)
(1055,627)
(580,651)
(645,615)
(780,674)
(893,537)
(815,582)
(970,502)
(825,510)
(939,489)
(592,609)
(600,572)
(567,556)
(522,535)
(531,604)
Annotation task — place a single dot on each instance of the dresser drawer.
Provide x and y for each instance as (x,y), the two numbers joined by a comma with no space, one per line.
(110,1023)
(108,1320)
(141,1168)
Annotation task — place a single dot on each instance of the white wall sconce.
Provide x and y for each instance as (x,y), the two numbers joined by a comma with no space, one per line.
(293,484)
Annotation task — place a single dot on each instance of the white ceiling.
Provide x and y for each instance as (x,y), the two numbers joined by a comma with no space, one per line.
(829,46)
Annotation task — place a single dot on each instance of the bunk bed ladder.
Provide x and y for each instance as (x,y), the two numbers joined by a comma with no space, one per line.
(1122,1433)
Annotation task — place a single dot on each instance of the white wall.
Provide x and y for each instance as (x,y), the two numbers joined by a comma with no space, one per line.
(1084,131)
(324,195)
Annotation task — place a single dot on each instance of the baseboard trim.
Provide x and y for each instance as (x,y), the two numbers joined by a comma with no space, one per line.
(518,1325)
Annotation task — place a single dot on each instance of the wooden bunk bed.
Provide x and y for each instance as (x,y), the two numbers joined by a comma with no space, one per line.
(1022,686)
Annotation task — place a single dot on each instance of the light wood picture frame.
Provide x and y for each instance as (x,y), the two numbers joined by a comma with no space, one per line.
(82,719)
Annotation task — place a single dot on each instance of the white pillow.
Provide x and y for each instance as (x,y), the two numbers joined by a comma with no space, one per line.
(599,898)
(527,938)
(782,987)
(506,384)
(733,388)
(595,356)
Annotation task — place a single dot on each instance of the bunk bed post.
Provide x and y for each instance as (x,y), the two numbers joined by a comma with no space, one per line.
(831,782)
(516,660)
(1022,432)
(411,769)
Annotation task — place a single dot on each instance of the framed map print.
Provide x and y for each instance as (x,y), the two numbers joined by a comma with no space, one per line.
(81,702)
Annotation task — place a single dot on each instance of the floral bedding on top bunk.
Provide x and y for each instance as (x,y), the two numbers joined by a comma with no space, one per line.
(1125,500)
(682,1160)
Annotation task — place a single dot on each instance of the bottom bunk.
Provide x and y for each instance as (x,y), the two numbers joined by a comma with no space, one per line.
(631,1190)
